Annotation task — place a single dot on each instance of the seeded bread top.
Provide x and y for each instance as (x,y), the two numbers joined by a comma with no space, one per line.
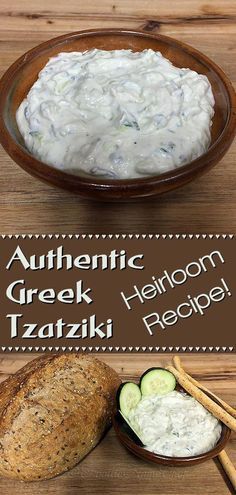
(56,409)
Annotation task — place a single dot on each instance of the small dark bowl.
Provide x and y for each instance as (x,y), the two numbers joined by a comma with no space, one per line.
(128,438)
(19,78)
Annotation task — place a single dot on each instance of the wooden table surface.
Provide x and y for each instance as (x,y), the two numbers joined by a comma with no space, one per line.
(207,205)
(110,469)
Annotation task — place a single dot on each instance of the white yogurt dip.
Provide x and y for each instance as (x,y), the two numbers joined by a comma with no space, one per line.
(116,114)
(175,425)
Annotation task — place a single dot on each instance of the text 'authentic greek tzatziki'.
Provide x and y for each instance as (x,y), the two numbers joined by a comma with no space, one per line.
(116,114)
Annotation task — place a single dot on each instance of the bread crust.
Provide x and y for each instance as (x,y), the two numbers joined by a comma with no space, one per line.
(53,412)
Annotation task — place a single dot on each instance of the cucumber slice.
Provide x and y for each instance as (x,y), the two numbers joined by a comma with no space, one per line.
(129,395)
(157,381)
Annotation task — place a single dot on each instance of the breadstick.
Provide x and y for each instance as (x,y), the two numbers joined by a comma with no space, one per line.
(226,406)
(228,467)
(201,397)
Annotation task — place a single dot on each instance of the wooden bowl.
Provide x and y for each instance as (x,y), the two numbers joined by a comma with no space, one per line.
(19,78)
(131,442)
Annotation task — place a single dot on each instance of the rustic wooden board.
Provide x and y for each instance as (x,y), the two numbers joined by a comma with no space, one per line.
(110,469)
(207,205)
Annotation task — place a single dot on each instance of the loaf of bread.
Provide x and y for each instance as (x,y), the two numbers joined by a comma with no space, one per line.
(53,412)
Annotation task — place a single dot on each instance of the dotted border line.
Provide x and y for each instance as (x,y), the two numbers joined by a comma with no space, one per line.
(121,349)
(118,236)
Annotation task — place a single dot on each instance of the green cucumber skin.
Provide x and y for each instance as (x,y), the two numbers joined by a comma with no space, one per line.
(139,384)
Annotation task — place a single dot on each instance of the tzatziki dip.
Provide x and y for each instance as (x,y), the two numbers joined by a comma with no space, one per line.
(175,425)
(116,114)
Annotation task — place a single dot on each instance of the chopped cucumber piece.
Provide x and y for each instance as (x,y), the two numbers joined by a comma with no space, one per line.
(132,124)
(129,395)
(157,381)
